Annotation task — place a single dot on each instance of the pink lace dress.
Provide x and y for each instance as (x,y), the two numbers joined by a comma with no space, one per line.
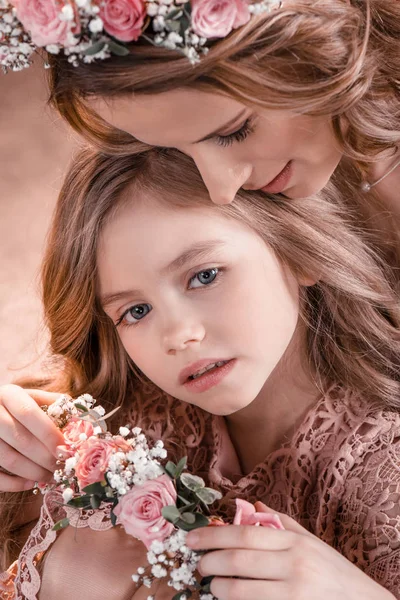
(339,476)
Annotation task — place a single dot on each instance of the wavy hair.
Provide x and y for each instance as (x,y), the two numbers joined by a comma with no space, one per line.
(352,315)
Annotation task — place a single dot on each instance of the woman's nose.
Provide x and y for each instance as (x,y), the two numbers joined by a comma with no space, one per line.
(222,177)
(182,334)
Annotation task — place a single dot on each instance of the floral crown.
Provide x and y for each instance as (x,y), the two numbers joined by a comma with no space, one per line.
(88,30)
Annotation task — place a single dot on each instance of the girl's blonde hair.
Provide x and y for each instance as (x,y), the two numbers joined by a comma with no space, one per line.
(352,314)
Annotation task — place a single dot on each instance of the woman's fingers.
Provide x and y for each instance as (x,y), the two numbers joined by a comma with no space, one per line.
(242,536)
(22,405)
(250,564)
(245,589)
(11,483)
(21,466)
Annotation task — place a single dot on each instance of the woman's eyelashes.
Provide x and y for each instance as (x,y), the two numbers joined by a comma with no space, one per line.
(136,313)
(237,136)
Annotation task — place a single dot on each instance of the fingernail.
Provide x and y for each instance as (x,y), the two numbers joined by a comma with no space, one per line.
(29,485)
(192,539)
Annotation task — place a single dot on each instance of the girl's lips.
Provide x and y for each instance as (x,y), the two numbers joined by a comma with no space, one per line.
(209,379)
(277,185)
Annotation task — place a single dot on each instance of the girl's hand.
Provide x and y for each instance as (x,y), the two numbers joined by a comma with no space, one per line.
(278,565)
(28,438)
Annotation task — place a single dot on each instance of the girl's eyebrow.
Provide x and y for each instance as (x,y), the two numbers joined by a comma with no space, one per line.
(195,252)
(224,127)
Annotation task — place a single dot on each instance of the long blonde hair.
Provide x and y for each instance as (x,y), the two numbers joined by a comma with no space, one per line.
(352,314)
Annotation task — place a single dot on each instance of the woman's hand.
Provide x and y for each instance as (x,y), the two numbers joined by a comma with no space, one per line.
(28,438)
(278,565)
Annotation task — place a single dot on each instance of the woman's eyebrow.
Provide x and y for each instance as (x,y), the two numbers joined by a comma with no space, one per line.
(223,127)
(196,252)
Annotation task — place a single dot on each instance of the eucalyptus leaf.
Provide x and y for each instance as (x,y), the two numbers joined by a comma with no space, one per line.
(80,502)
(95,502)
(113,519)
(82,407)
(170,513)
(117,50)
(61,525)
(192,482)
(170,468)
(208,496)
(206,583)
(188,517)
(95,48)
(180,466)
(94,488)
(184,595)
(174,26)
(200,521)
(176,13)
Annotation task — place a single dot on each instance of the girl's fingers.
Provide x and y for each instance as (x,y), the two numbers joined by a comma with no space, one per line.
(288,523)
(240,536)
(21,466)
(23,406)
(245,589)
(251,564)
(16,436)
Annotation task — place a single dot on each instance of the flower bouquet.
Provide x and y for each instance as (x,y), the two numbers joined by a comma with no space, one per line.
(154,499)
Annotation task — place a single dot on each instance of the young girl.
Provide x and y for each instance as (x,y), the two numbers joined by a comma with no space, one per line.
(285,100)
(259,338)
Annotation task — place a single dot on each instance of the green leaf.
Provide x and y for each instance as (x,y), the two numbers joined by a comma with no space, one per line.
(94,49)
(117,50)
(81,407)
(206,583)
(184,595)
(170,468)
(176,13)
(180,466)
(188,517)
(95,502)
(170,513)
(113,519)
(80,502)
(95,488)
(192,482)
(174,26)
(208,496)
(200,521)
(61,524)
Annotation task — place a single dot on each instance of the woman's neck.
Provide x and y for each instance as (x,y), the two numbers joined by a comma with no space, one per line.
(273,417)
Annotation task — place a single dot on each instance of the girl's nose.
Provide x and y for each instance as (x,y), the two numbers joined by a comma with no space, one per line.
(181,335)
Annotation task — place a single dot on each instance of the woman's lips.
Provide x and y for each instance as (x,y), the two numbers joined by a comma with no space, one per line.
(209,379)
(281,181)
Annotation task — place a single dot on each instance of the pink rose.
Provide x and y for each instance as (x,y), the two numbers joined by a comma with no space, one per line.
(217,18)
(123,19)
(41,18)
(93,459)
(72,432)
(139,511)
(246,515)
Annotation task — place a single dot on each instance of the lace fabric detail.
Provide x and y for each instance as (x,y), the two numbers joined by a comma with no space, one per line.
(339,477)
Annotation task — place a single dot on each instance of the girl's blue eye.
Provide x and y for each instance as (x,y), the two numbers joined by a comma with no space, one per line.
(134,314)
(203,278)
(237,136)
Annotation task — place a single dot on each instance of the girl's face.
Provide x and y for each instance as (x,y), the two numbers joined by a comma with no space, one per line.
(233,145)
(189,290)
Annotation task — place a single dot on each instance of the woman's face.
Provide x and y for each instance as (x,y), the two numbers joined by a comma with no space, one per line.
(190,290)
(233,145)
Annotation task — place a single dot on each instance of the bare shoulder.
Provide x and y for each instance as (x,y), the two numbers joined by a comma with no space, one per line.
(92,564)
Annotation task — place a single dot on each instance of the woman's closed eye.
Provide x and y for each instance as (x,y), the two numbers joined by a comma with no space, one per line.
(134,314)
(237,136)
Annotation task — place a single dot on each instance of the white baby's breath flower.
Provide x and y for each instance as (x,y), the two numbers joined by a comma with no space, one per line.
(67,495)
(124,431)
(158,571)
(53,49)
(67,13)
(97,430)
(96,25)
